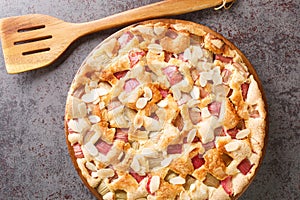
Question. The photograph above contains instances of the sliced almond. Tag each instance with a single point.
(148, 152)
(91, 149)
(232, 146)
(187, 54)
(242, 134)
(102, 91)
(191, 135)
(90, 97)
(147, 93)
(163, 103)
(205, 112)
(141, 102)
(94, 174)
(94, 119)
(135, 165)
(177, 180)
(166, 162)
(155, 47)
(154, 184)
(151, 124)
(106, 173)
(195, 93)
(91, 166)
(217, 43)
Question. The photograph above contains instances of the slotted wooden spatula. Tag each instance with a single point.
(33, 41)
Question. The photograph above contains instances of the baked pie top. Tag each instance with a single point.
(166, 109)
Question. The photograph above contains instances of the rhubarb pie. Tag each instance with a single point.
(166, 109)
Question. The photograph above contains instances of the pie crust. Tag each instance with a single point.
(166, 109)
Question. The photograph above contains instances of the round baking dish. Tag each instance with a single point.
(225, 89)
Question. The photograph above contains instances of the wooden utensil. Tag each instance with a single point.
(34, 41)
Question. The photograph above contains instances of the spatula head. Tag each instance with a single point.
(33, 41)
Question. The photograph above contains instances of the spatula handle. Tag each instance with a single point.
(155, 10)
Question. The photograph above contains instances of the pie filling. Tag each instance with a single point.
(165, 111)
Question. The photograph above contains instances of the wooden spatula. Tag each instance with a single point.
(33, 41)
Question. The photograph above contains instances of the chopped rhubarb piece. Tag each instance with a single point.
(225, 75)
(181, 57)
(168, 56)
(125, 38)
(137, 177)
(148, 185)
(178, 122)
(164, 93)
(131, 84)
(195, 116)
(197, 162)
(121, 134)
(211, 181)
(173, 75)
(78, 151)
(103, 147)
(195, 140)
(120, 74)
(171, 34)
(214, 108)
(224, 59)
(245, 166)
(209, 145)
(203, 93)
(245, 87)
(174, 149)
(135, 56)
(154, 116)
(227, 185)
(232, 132)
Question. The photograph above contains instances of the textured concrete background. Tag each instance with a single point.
(34, 161)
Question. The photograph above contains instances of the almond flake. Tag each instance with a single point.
(90, 97)
(217, 43)
(195, 93)
(242, 134)
(177, 180)
(141, 103)
(135, 165)
(91, 166)
(187, 54)
(94, 119)
(155, 47)
(163, 103)
(166, 162)
(148, 93)
(151, 124)
(232, 146)
(91, 149)
(94, 174)
(148, 152)
(205, 112)
(191, 135)
(106, 173)
(154, 184)
(102, 91)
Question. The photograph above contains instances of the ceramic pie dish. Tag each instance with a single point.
(166, 109)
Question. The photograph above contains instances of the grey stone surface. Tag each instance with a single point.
(34, 161)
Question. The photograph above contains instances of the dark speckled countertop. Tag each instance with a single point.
(34, 161)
